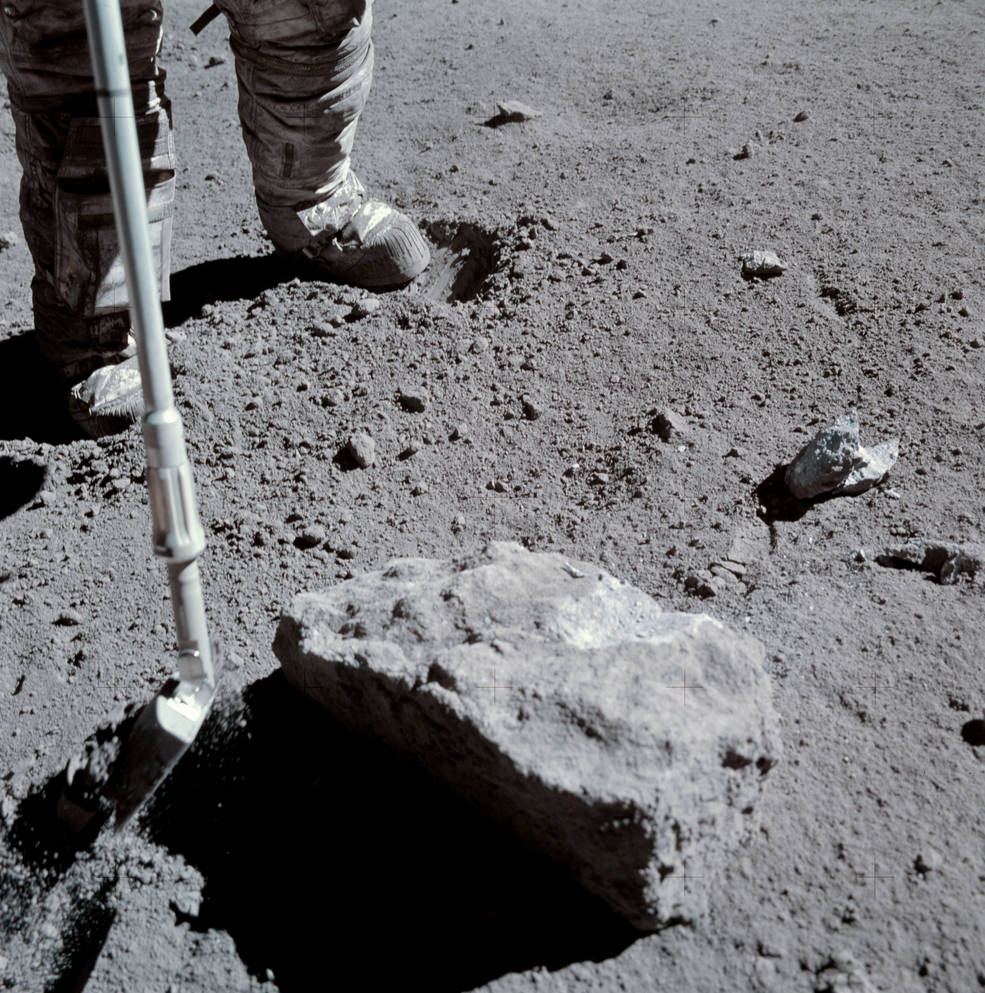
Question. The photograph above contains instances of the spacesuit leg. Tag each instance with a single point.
(79, 293)
(304, 69)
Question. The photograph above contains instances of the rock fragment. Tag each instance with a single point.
(414, 401)
(552, 695)
(947, 561)
(513, 111)
(363, 308)
(762, 264)
(669, 425)
(835, 462)
(877, 461)
(362, 449)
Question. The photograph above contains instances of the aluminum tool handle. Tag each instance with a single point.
(177, 536)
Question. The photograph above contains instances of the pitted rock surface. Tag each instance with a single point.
(628, 743)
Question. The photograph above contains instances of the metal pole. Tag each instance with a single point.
(177, 534)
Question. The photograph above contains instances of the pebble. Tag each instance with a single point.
(513, 111)
(459, 432)
(311, 536)
(362, 448)
(668, 424)
(531, 409)
(69, 618)
(363, 308)
(746, 152)
(702, 583)
(497, 485)
(801, 116)
(927, 861)
(9, 239)
(415, 401)
(762, 263)
(479, 345)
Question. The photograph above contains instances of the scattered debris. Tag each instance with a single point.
(946, 561)
(762, 264)
(834, 462)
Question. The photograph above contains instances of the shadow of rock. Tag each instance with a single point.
(332, 862)
(776, 503)
(32, 399)
(20, 482)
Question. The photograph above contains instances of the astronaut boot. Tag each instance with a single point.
(304, 69)
(108, 400)
(363, 242)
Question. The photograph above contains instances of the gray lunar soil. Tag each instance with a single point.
(596, 365)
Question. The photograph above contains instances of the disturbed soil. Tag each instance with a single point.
(585, 277)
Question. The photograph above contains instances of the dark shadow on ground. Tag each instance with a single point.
(336, 865)
(776, 503)
(20, 482)
(238, 278)
(32, 399)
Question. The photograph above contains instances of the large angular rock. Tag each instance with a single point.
(629, 743)
(835, 462)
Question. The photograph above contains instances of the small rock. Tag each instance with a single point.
(762, 264)
(363, 308)
(702, 583)
(187, 902)
(362, 448)
(459, 432)
(746, 152)
(512, 111)
(720, 572)
(311, 537)
(215, 60)
(531, 409)
(69, 618)
(479, 345)
(9, 239)
(801, 116)
(669, 425)
(414, 401)
(928, 860)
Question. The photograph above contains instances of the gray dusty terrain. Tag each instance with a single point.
(587, 275)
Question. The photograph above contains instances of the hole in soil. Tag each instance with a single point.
(320, 848)
(973, 733)
(463, 257)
